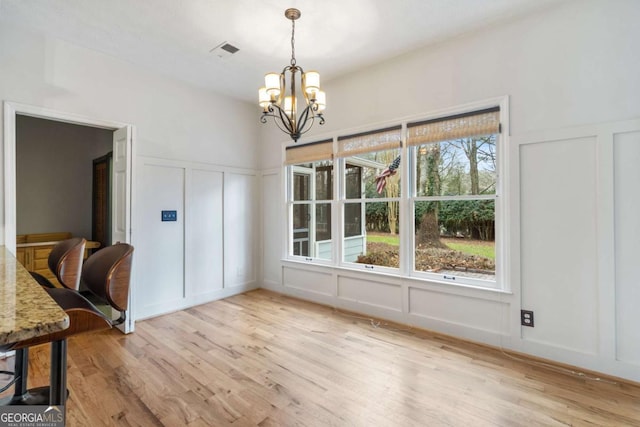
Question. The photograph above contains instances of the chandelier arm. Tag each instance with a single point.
(284, 120)
(303, 82)
(278, 121)
(279, 124)
(294, 101)
(304, 118)
(283, 82)
(313, 118)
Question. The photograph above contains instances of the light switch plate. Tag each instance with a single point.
(169, 215)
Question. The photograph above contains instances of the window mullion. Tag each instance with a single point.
(312, 213)
(339, 192)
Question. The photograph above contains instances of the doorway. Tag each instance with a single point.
(122, 147)
(54, 192)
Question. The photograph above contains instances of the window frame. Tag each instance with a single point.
(343, 201)
(406, 204)
(297, 170)
(414, 198)
(293, 167)
(343, 159)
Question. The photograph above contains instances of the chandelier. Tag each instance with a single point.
(283, 106)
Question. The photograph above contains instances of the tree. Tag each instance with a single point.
(479, 150)
(392, 189)
(474, 218)
(470, 148)
(429, 231)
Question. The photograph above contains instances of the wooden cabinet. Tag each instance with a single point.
(35, 258)
(21, 256)
(32, 251)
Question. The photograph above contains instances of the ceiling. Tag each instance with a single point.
(175, 37)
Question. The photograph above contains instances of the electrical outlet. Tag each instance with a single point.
(526, 318)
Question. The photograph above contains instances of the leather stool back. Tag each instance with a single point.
(65, 262)
(107, 275)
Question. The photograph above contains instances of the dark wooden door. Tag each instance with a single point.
(101, 217)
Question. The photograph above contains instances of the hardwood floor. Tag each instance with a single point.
(262, 359)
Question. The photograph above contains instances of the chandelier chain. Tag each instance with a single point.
(293, 43)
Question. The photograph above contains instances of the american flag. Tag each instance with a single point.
(381, 180)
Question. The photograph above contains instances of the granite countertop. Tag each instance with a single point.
(26, 310)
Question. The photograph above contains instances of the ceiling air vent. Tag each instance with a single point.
(224, 50)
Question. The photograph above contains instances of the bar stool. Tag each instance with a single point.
(107, 273)
(65, 262)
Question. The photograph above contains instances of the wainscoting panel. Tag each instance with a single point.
(161, 254)
(204, 260)
(442, 309)
(378, 294)
(240, 243)
(559, 242)
(308, 281)
(627, 245)
(271, 229)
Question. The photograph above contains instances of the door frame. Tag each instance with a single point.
(11, 110)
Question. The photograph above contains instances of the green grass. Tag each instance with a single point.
(483, 250)
(389, 239)
(467, 247)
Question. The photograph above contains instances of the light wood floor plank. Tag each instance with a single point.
(263, 359)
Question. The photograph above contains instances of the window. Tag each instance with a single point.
(427, 209)
(370, 206)
(454, 195)
(309, 200)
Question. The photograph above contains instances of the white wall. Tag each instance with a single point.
(210, 251)
(174, 122)
(54, 170)
(173, 119)
(571, 74)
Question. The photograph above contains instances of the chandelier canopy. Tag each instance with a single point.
(279, 99)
